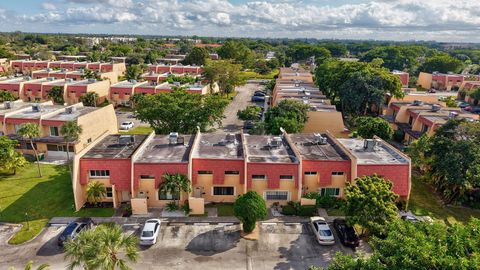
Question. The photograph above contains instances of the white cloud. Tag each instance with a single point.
(380, 19)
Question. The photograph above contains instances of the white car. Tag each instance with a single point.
(150, 232)
(322, 231)
(126, 125)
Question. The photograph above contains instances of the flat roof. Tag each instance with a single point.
(160, 150)
(382, 153)
(84, 82)
(124, 84)
(219, 146)
(30, 114)
(77, 112)
(15, 105)
(110, 147)
(310, 149)
(259, 150)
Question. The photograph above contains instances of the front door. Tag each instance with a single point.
(125, 196)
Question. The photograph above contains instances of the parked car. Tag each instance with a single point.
(150, 232)
(346, 234)
(248, 124)
(463, 104)
(258, 99)
(259, 94)
(475, 110)
(410, 218)
(322, 231)
(432, 91)
(126, 125)
(468, 108)
(73, 229)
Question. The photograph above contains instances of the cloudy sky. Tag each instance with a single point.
(442, 20)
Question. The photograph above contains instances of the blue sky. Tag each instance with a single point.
(442, 20)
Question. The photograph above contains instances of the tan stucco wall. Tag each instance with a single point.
(311, 183)
(260, 186)
(206, 181)
(95, 124)
(322, 121)
(424, 80)
(304, 201)
(197, 205)
(139, 206)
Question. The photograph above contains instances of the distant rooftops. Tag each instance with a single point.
(167, 149)
(370, 152)
(219, 146)
(36, 111)
(271, 149)
(116, 146)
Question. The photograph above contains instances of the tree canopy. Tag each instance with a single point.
(249, 113)
(6, 96)
(197, 56)
(442, 63)
(225, 73)
(10, 159)
(288, 114)
(370, 203)
(180, 111)
(248, 208)
(56, 94)
(368, 127)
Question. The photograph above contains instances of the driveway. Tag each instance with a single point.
(201, 246)
(128, 116)
(243, 98)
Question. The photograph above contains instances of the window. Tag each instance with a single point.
(99, 173)
(232, 172)
(29, 146)
(410, 120)
(258, 177)
(205, 172)
(424, 128)
(109, 193)
(223, 191)
(162, 195)
(89, 140)
(337, 173)
(147, 176)
(286, 177)
(332, 192)
(310, 173)
(276, 195)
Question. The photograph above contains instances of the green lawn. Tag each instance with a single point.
(423, 201)
(138, 130)
(335, 212)
(26, 196)
(224, 209)
(252, 75)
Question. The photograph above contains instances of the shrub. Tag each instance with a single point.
(186, 208)
(248, 208)
(288, 210)
(171, 206)
(307, 210)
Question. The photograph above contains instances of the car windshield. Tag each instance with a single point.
(147, 233)
(70, 228)
(325, 232)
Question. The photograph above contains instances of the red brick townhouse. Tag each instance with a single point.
(223, 166)
(175, 69)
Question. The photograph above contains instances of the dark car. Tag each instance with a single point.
(258, 99)
(249, 124)
(475, 110)
(410, 218)
(259, 94)
(73, 229)
(432, 91)
(346, 234)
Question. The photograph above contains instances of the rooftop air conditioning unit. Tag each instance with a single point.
(27, 78)
(92, 80)
(369, 145)
(50, 79)
(133, 81)
(126, 139)
(436, 107)
(230, 138)
(36, 107)
(452, 115)
(70, 110)
(319, 139)
(68, 80)
(417, 103)
(173, 138)
(176, 83)
(8, 105)
(275, 142)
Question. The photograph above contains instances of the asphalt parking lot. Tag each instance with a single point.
(199, 246)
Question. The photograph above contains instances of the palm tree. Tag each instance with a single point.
(90, 99)
(70, 132)
(105, 247)
(30, 131)
(95, 192)
(175, 183)
(56, 94)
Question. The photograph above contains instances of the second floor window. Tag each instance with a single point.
(232, 172)
(205, 172)
(286, 177)
(99, 173)
(54, 131)
(337, 173)
(258, 177)
(424, 128)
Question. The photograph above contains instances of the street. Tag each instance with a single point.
(243, 98)
(199, 246)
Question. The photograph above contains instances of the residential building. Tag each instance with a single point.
(403, 76)
(28, 66)
(175, 69)
(121, 92)
(223, 166)
(297, 84)
(95, 122)
(440, 81)
(15, 85)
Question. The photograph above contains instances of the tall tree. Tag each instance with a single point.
(249, 208)
(95, 191)
(70, 131)
(56, 94)
(368, 127)
(418, 152)
(105, 247)
(174, 184)
(10, 160)
(370, 203)
(288, 114)
(197, 56)
(179, 111)
(31, 131)
(225, 73)
(442, 63)
(6, 96)
(134, 72)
